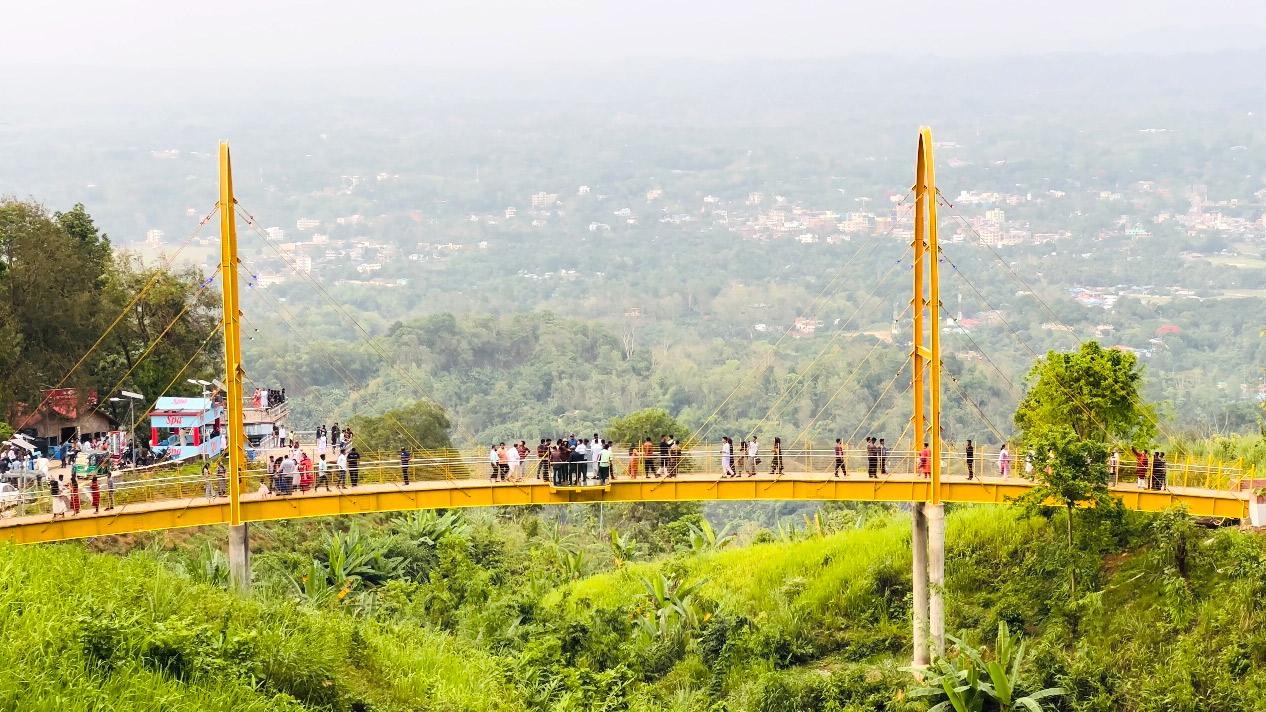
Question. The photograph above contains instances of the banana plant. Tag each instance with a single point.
(623, 548)
(673, 607)
(971, 681)
(704, 538)
(427, 527)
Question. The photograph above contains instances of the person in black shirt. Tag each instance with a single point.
(970, 452)
(353, 465)
(872, 458)
(405, 457)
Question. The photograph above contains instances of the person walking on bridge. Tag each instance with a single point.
(1141, 471)
(558, 460)
(727, 457)
(1158, 471)
(74, 493)
(405, 457)
(883, 457)
(970, 453)
(206, 480)
(775, 461)
(221, 480)
(753, 450)
(925, 461)
(511, 469)
(840, 468)
(635, 461)
(1004, 461)
(323, 474)
(341, 466)
(872, 458)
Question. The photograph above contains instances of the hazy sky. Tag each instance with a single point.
(509, 33)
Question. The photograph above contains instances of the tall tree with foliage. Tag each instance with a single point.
(50, 304)
(61, 287)
(647, 423)
(1075, 405)
(1093, 391)
(424, 423)
(174, 321)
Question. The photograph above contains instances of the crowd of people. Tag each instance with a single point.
(336, 461)
(572, 461)
(564, 461)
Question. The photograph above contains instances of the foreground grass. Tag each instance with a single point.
(95, 632)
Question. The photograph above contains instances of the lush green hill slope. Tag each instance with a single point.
(519, 610)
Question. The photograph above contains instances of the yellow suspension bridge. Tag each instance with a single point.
(453, 479)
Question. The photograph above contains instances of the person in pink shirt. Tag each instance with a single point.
(1004, 461)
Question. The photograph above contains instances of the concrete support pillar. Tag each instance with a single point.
(935, 514)
(919, 549)
(240, 558)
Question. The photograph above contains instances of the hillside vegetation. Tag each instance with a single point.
(520, 610)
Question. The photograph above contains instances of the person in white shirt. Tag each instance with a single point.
(512, 458)
(752, 450)
(494, 463)
(342, 469)
(323, 474)
(727, 467)
(282, 434)
(582, 449)
(321, 445)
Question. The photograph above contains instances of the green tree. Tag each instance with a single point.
(169, 334)
(1071, 470)
(647, 423)
(1094, 391)
(50, 306)
(423, 423)
(1075, 405)
(94, 244)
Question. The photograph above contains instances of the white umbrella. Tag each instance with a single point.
(21, 443)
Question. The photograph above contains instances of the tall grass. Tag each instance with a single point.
(84, 631)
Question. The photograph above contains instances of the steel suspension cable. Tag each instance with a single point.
(153, 280)
(821, 299)
(287, 319)
(781, 402)
(155, 341)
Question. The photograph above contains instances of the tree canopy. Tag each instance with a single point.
(1076, 405)
(62, 288)
(1093, 391)
(423, 423)
(647, 423)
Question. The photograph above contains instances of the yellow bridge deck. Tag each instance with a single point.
(444, 494)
